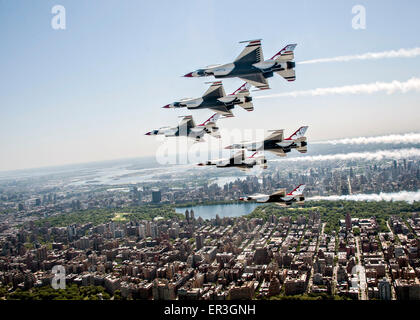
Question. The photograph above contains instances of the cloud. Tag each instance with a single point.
(401, 53)
(377, 155)
(395, 86)
(408, 138)
(408, 196)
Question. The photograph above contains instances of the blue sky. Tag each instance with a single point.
(90, 92)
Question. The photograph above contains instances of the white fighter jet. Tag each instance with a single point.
(276, 144)
(280, 197)
(251, 67)
(238, 160)
(188, 128)
(216, 99)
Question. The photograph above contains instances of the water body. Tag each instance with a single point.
(223, 210)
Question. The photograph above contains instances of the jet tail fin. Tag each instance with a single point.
(243, 89)
(299, 133)
(285, 54)
(210, 125)
(297, 191)
(243, 93)
(212, 120)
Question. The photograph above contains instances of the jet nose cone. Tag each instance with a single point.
(148, 134)
(167, 106)
(189, 75)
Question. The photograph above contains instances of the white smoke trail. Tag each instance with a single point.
(408, 196)
(395, 86)
(401, 53)
(377, 155)
(407, 138)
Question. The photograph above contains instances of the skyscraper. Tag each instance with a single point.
(156, 196)
(199, 239)
(348, 221)
(142, 231)
(384, 289)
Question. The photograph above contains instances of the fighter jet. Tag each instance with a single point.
(238, 160)
(280, 197)
(251, 66)
(188, 128)
(216, 99)
(276, 144)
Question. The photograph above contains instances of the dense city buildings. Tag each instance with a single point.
(128, 240)
(232, 258)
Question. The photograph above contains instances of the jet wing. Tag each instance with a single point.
(278, 152)
(280, 193)
(257, 80)
(260, 198)
(276, 135)
(250, 146)
(223, 111)
(238, 157)
(187, 121)
(214, 162)
(283, 204)
(170, 132)
(278, 196)
(251, 54)
(215, 91)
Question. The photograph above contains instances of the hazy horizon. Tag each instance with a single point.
(328, 143)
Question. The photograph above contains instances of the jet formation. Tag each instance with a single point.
(251, 67)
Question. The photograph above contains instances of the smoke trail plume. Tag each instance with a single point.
(408, 138)
(401, 53)
(408, 196)
(377, 155)
(395, 86)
